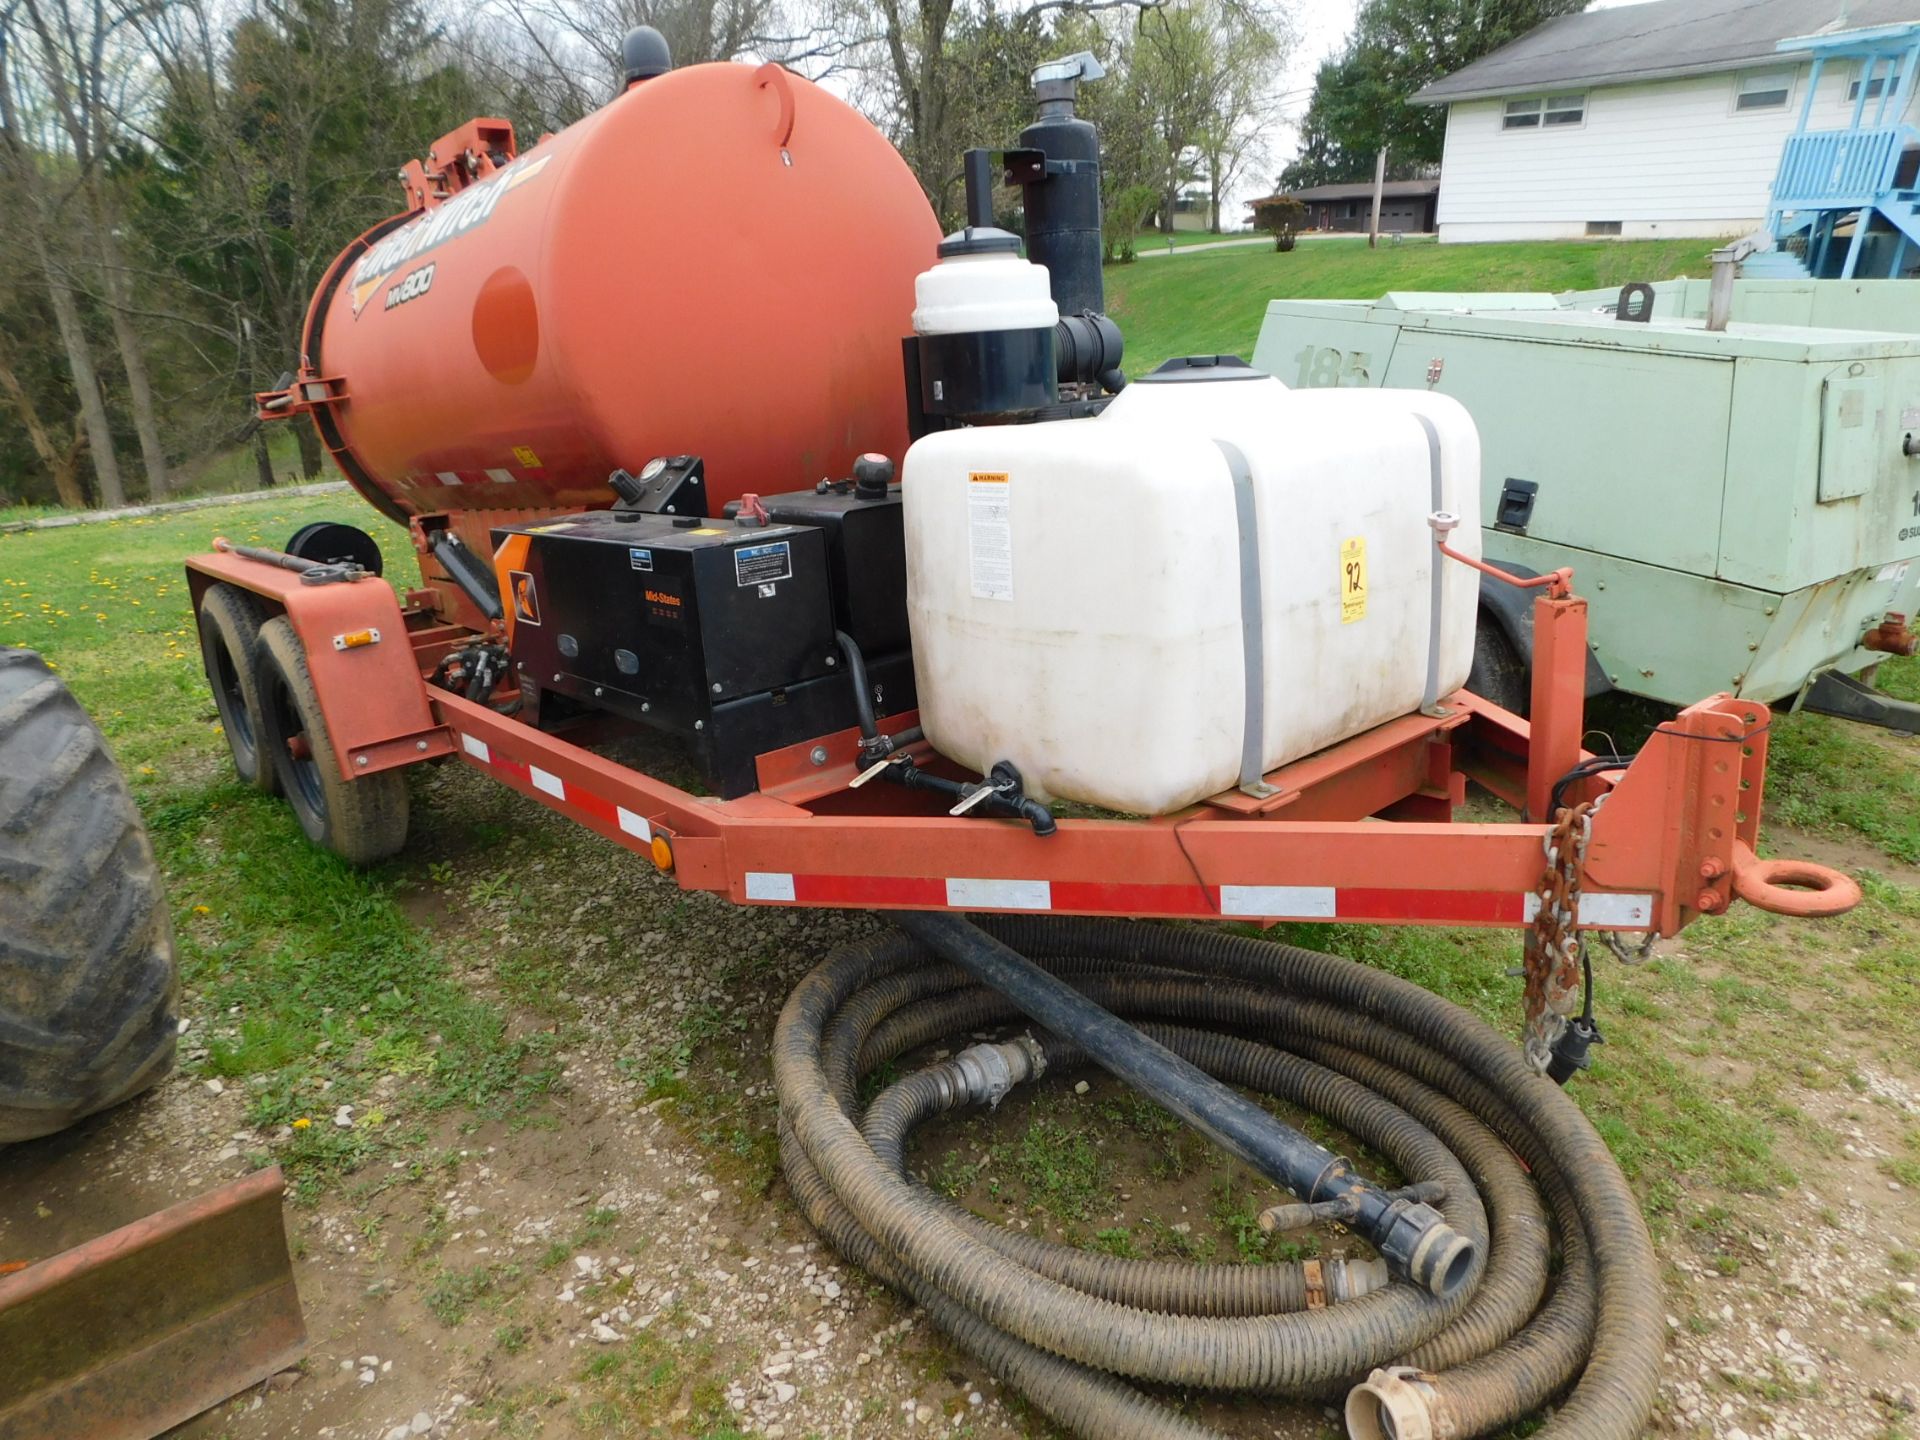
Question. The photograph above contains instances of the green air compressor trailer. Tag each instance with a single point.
(1741, 504)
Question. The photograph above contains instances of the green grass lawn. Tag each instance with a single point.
(1213, 303)
(308, 983)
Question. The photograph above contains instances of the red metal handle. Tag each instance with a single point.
(1792, 887)
(1559, 583)
(782, 83)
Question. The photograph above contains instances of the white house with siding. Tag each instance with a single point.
(1651, 120)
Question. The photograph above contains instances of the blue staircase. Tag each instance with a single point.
(1842, 205)
(1774, 265)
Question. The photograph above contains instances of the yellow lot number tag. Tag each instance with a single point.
(1353, 580)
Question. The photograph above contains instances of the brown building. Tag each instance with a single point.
(1407, 206)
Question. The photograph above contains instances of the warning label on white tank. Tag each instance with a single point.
(990, 535)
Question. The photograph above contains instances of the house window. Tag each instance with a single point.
(1566, 109)
(1878, 85)
(1603, 227)
(1544, 110)
(1522, 114)
(1765, 90)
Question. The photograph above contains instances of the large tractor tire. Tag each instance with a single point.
(361, 820)
(88, 988)
(1500, 672)
(229, 634)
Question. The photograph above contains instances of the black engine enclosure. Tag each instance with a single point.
(719, 632)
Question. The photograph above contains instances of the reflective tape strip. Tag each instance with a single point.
(576, 797)
(1279, 902)
(1605, 910)
(500, 477)
(769, 885)
(999, 895)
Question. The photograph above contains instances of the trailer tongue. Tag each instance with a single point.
(1192, 651)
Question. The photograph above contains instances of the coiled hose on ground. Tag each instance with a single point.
(1413, 1076)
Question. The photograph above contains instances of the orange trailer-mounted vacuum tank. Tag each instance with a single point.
(720, 260)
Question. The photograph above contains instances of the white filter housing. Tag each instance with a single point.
(996, 290)
(1076, 587)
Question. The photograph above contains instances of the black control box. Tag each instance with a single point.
(866, 557)
(718, 631)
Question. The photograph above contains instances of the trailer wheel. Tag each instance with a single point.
(1500, 673)
(229, 634)
(360, 820)
(88, 988)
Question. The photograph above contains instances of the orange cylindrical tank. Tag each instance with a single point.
(719, 262)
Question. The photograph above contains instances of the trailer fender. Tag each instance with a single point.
(372, 695)
(1511, 609)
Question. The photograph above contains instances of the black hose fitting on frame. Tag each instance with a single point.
(1006, 797)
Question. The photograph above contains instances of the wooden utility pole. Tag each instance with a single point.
(1379, 184)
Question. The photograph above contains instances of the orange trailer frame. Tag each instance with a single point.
(1362, 831)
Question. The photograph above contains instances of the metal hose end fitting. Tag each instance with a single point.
(1394, 1403)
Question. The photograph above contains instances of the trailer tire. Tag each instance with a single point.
(1500, 673)
(229, 636)
(88, 989)
(361, 820)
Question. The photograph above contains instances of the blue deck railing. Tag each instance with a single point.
(1820, 169)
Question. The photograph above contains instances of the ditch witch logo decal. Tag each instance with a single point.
(450, 218)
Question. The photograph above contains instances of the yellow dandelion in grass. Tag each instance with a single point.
(203, 909)
(302, 1123)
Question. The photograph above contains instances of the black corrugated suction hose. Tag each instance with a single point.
(1413, 1076)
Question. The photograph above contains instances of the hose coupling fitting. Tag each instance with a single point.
(985, 1073)
(1416, 1241)
(1343, 1209)
(1396, 1402)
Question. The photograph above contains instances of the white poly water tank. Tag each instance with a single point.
(1078, 589)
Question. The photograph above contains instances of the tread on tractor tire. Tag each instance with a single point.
(1500, 673)
(229, 622)
(89, 992)
(360, 820)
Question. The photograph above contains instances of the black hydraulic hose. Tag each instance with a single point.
(1434, 1090)
(857, 674)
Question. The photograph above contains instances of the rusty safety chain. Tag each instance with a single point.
(1551, 955)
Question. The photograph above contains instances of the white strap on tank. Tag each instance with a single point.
(1253, 647)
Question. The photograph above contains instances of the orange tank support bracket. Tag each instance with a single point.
(372, 695)
(301, 397)
(458, 159)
